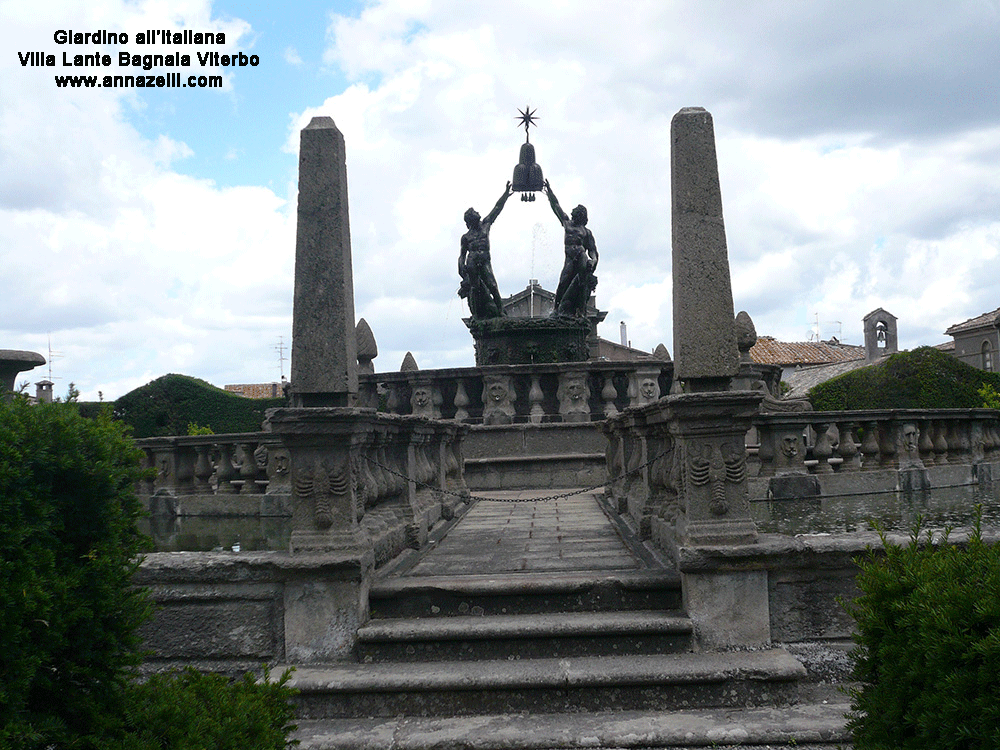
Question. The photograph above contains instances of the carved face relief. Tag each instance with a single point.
(911, 437)
(789, 445)
(648, 389)
(497, 393)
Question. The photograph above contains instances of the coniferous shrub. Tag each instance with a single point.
(68, 547)
(925, 378)
(189, 710)
(167, 405)
(928, 647)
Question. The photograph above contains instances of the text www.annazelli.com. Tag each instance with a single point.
(170, 80)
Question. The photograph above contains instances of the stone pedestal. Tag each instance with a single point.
(321, 443)
(709, 432)
(527, 341)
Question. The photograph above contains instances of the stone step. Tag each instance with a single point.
(462, 688)
(524, 636)
(582, 591)
(807, 726)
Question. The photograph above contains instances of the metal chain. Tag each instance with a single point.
(560, 496)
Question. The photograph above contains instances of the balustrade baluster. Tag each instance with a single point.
(958, 441)
(608, 394)
(887, 434)
(225, 471)
(766, 450)
(203, 469)
(248, 469)
(847, 449)
(535, 395)
(870, 447)
(823, 448)
(940, 442)
(461, 402)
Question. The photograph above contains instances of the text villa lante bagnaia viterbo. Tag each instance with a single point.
(131, 60)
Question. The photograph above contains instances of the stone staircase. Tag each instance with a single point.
(459, 646)
(451, 653)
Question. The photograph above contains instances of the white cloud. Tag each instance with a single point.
(858, 155)
(135, 270)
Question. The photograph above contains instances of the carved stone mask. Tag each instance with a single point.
(911, 437)
(648, 388)
(790, 445)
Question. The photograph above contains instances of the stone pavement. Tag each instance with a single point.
(564, 535)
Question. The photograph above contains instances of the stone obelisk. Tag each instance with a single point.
(706, 357)
(324, 349)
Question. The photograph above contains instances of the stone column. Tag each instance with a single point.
(324, 348)
(705, 352)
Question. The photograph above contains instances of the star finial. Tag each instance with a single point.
(527, 119)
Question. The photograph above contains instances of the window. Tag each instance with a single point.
(987, 356)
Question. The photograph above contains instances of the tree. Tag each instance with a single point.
(69, 545)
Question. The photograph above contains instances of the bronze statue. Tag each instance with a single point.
(577, 280)
(479, 285)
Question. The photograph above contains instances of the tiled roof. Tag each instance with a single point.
(989, 319)
(805, 378)
(768, 351)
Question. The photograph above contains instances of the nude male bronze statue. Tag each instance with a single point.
(577, 280)
(479, 285)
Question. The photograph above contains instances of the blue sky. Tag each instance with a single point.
(153, 231)
(254, 116)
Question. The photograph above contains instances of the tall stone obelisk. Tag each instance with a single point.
(706, 357)
(324, 349)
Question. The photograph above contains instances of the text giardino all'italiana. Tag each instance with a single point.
(147, 61)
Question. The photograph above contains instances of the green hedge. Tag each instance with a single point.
(189, 710)
(928, 653)
(925, 378)
(69, 615)
(167, 405)
(68, 548)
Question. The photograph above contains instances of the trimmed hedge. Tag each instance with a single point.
(68, 548)
(167, 405)
(928, 653)
(925, 378)
(188, 710)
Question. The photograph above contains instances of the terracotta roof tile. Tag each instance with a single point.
(768, 351)
(986, 319)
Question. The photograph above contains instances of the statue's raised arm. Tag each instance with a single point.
(492, 215)
(554, 202)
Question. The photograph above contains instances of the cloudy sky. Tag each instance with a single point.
(152, 231)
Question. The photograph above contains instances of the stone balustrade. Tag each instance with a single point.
(823, 443)
(794, 456)
(388, 479)
(520, 394)
(248, 463)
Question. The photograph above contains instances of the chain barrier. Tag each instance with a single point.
(560, 496)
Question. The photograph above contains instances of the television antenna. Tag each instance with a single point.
(280, 348)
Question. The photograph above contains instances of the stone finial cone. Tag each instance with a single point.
(409, 364)
(746, 335)
(367, 348)
(660, 352)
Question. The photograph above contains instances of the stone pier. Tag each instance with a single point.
(324, 346)
(705, 353)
